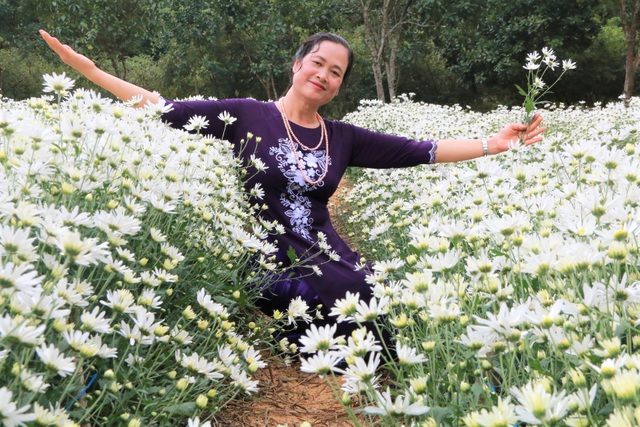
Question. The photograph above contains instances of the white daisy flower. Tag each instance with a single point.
(55, 360)
(402, 405)
(10, 414)
(57, 83)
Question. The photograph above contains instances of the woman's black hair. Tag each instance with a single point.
(312, 44)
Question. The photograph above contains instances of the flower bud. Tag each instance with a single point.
(203, 324)
(202, 401)
(188, 313)
(428, 345)
(182, 384)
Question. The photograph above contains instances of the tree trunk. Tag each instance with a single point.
(376, 42)
(377, 76)
(630, 70)
(629, 17)
(392, 78)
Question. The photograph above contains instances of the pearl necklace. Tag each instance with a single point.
(292, 138)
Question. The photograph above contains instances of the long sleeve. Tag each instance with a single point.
(377, 150)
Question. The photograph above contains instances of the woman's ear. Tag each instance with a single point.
(296, 66)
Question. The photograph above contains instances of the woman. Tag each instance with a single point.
(306, 157)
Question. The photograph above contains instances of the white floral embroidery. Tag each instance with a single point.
(298, 205)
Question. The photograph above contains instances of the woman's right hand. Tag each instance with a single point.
(69, 56)
(122, 89)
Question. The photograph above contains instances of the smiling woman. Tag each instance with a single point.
(296, 159)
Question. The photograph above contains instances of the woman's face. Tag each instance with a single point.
(319, 75)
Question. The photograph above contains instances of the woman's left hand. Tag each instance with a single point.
(515, 133)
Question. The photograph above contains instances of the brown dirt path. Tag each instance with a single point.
(287, 396)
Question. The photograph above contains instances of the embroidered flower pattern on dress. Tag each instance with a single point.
(298, 205)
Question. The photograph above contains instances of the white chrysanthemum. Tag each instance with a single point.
(55, 360)
(502, 414)
(17, 330)
(32, 382)
(195, 422)
(120, 300)
(118, 222)
(226, 118)
(361, 374)
(319, 339)
(346, 308)
(359, 343)
(17, 243)
(401, 406)
(57, 83)
(241, 379)
(320, 364)
(96, 321)
(41, 306)
(298, 309)
(135, 335)
(200, 365)
(51, 416)
(408, 355)
(536, 404)
(20, 277)
(10, 414)
(148, 298)
(80, 250)
(371, 311)
(213, 308)
(197, 123)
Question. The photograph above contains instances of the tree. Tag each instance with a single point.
(628, 10)
(384, 23)
(486, 44)
(239, 47)
(116, 29)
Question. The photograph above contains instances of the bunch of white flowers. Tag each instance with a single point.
(509, 285)
(121, 270)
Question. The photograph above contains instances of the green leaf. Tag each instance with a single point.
(529, 106)
(440, 413)
(291, 253)
(521, 91)
(187, 408)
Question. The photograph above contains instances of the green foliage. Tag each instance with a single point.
(455, 51)
(21, 72)
(116, 28)
(486, 43)
(602, 66)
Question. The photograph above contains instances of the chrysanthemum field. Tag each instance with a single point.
(129, 250)
(511, 282)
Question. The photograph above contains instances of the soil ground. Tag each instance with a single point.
(287, 396)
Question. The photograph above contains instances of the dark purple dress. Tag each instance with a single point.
(300, 207)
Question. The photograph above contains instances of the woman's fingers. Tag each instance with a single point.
(67, 54)
(537, 119)
(55, 45)
(534, 136)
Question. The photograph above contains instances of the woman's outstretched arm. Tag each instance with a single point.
(454, 150)
(123, 90)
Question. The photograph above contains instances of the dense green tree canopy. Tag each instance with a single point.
(444, 51)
